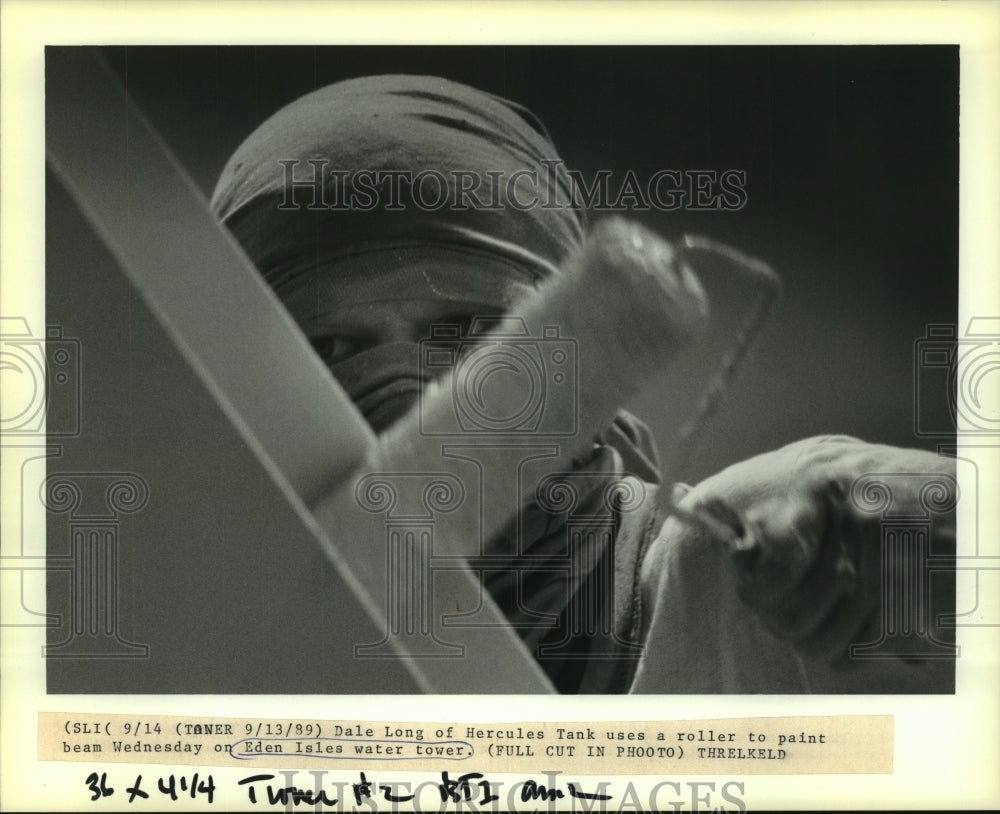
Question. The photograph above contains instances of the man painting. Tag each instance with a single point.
(431, 202)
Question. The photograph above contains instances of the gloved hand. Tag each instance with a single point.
(772, 577)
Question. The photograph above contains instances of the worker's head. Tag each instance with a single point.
(380, 206)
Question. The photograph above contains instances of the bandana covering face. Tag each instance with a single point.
(321, 258)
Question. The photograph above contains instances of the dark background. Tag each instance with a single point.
(851, 156)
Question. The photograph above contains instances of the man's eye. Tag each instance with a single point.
(334, 348)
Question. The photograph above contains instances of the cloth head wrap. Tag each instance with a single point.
(424, 189)
(451, 185)
(503, 218)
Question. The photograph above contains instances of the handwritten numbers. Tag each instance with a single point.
(170, 785)
(99, 788)
(167, 786)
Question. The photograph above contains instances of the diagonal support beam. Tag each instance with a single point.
(228, 326)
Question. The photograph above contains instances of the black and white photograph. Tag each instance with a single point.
(383, 411)
(631, 338)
